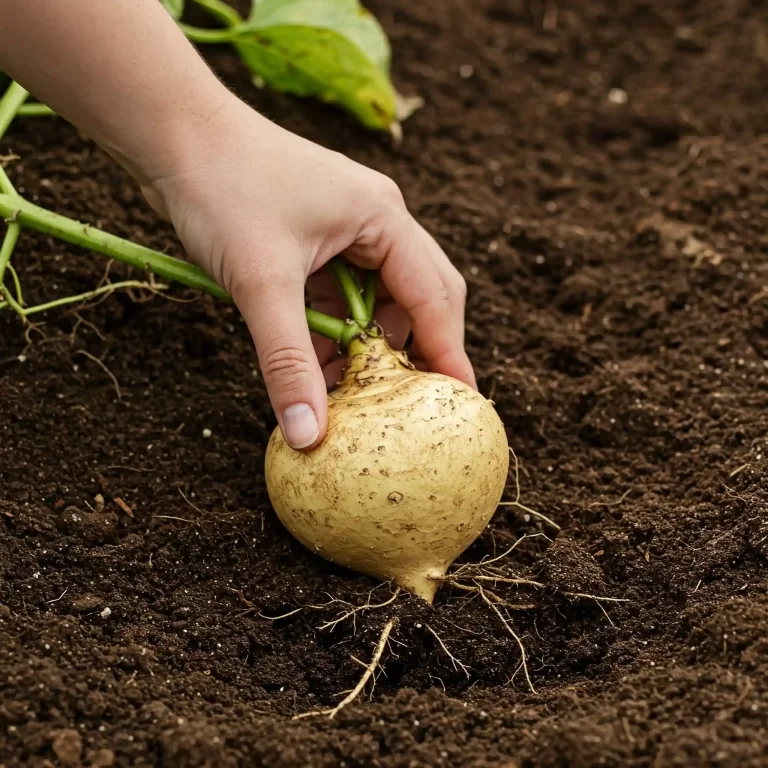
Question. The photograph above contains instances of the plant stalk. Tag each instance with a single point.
(16, 284)
(201, 35)
(339, 331)
(35, 110)
(21, 213)
(370, 292)
(6, 186)
(12, 99)
(11, 302)
(6, 249)
(10, 103)
(32, 216)
(349, 287)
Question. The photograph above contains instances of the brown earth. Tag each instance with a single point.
(618, 316)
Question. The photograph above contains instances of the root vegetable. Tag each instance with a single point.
(411, 470)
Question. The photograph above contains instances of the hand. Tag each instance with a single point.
(262, 210)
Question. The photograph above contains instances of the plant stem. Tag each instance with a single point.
(12, 99)
(20, 212)
(6, 249)
(35, 110)
(221, 12)
(16, 284)
(200, 35)
(370, 292)
(6, 187)
(331, 327)
(348, 286)
(29, 215)
(11, 302)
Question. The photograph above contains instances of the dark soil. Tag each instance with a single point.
(618, 316)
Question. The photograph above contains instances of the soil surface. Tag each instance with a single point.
(598, 170)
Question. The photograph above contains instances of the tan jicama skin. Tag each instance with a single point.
(411, 471)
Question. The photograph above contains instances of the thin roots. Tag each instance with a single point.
(518, 504)
(492, 573)
(467, 566)
(596, 598)
(367, 674)
(351, 613)
(456, 663)
(480, 572)
(104, 368)
(493, 601)
(508, 580)
(486, 571)
(332, 624)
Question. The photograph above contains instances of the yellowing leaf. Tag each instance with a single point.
(334, 50)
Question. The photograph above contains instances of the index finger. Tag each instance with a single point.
(395, 245)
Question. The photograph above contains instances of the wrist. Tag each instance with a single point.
(176, 137)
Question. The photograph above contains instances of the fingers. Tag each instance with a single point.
(274, 312)
(457, 292)
(422, 281)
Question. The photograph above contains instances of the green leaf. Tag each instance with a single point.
(334, 50)
(345, 17)
(174, 7)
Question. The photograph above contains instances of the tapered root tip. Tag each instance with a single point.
(423, 585)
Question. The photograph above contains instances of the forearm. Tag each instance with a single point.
(120, 70)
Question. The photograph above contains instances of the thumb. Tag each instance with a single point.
(275, 314)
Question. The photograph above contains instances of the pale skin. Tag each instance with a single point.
(257, 207)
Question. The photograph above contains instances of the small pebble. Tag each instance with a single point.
(617, 96)
(207, 433)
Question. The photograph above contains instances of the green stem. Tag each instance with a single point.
(370, 292)
(20, 212)
(29, 215)
(12, 99)
(11, 302)
(221, 12)
(349, 287)
(35, 110)
(331, 327)
(200, 35)
(6, 186)
(16, 284)
(6, 249)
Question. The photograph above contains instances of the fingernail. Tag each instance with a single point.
(299, 425)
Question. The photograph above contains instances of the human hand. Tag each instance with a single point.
(262, 210)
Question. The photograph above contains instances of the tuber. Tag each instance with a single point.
(410, 472)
